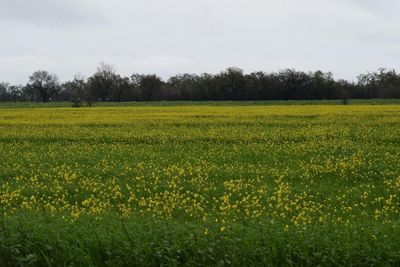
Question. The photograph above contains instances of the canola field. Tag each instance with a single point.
(298, 185)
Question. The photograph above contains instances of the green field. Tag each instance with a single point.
(214, 184)
(61, 104)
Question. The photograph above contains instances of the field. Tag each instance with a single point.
(200, 185)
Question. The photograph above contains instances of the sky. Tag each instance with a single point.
(166, 37)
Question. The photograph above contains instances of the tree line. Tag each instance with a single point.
(231, 84)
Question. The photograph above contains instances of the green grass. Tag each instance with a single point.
(202, 103)
(200, 184)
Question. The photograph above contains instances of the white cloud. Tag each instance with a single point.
(174, 36)
(48, 12)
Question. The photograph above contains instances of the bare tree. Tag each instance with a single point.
(75, 88)
(44, 84)
(102, 83)
(121, 88)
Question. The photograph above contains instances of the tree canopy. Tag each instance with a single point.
(231, 84)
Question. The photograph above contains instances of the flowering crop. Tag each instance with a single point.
(233, 173)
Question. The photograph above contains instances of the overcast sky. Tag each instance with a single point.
(166, 37)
